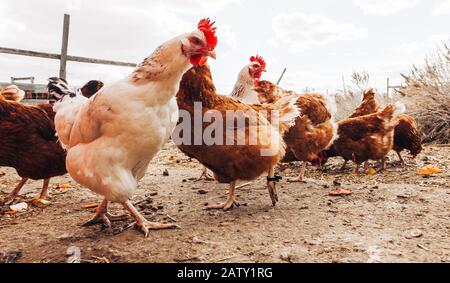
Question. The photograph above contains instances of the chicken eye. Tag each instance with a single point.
(196, 41)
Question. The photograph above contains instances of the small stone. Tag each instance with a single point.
(202, 192)
(160, 207)
(153, 194)
(196, 240)
(288, 257)
(166, 173)
(416, 233)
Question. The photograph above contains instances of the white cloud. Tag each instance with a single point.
(442, 8)
(385, 7)
(407, 48)
(228, 41)
(193, 7)
(301, 32)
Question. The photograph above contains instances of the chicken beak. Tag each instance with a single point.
(212, 54)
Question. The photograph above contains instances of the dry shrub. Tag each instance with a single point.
(427, 96)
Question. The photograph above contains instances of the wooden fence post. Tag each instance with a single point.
(64, 48)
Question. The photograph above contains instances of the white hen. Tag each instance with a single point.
(249, 75)
(112, 137)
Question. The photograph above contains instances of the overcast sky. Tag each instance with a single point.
(318, 41)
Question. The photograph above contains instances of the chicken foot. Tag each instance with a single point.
(231, 201)
(143, 224)
(300, 178)
(44, 193)
(205, 175)
(102, 216)
(15, 192)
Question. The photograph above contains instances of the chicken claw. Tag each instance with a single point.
(143, 224)
(229, 204)
(146, 226)
(103, 217)
(8, 200)
(206, 175)
(12, 196)
(106, 219)
(231, 201)
(300, 178)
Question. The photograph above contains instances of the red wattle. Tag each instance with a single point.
(195, 59)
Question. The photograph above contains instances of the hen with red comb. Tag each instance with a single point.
(146, 100)
(209, 30)
(260, 60)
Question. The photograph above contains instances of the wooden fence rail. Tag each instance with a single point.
(64, 57)
(21, 52)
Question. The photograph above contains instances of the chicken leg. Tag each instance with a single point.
(271, 185)
(383, 164)
(103, 217)
(231, 201)
(44, 194)
(300, 178)
(344, 166)
(366, 166)
(15, 192)
(206, 175)
(357, 169)
(401, 159)
(143, 224)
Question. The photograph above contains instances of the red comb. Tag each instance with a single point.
(208, 29)
(258, 59)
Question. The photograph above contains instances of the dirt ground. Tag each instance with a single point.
(394, 216)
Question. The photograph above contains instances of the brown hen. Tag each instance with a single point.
(407, 135)
(29, 144)
(239, 161)
(369, 137)
(314, 131)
